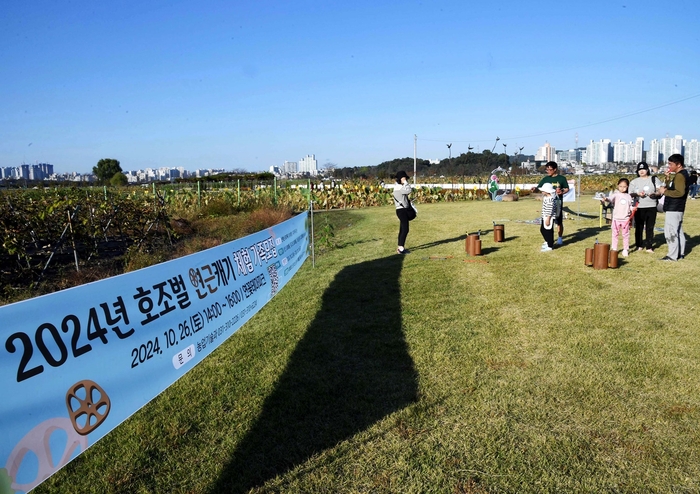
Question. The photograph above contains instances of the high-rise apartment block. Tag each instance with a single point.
(570, 156)
(309, 165)
(671, 145)
(638, 150)
(653, 153)
(659, 151)
(599, 152)
(628, 152)
(290, 167)
(39, 171)
(546, 153)
(692, 153)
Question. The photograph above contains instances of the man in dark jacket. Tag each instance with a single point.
(676, 194)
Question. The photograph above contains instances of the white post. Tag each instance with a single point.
(313, 245)
(579, 190)
(415, 140)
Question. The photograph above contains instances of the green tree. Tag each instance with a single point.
(118, 179)
(106, 169)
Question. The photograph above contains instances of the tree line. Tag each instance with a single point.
(466, 164)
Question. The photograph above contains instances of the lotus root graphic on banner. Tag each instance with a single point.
(77, 363)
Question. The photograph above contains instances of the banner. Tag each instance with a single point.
(77, 363)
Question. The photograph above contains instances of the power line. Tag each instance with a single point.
(583, 126)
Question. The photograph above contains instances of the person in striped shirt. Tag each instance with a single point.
(548, 212)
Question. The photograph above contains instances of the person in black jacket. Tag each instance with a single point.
(676, 194)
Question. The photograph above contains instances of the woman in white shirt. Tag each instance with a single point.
(402, 189)
(644, 190)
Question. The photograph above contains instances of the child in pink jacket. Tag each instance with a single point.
(621, 215)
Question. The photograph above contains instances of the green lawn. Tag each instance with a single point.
(518, 371)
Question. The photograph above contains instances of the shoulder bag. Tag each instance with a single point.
(411, 210)
(660, 200)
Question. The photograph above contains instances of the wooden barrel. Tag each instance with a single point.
(589, 257)
(613, 258)
(600, 256)
(476, 247)
(472, 238)
(499, 233)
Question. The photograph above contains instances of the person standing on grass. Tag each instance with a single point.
(548, 213)
(402, 190)
(644, 189)
(693, 184)
(622, 210)
(561, 187)
(675, 196)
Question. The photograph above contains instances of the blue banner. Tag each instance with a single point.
(77, 363)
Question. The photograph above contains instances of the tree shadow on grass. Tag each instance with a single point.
(690, 243)
(582, 214)
(350, 370)
(485, 251)
(509, 239)
(439, 242)
(586, 233)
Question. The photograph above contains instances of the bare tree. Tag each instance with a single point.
(329, 168)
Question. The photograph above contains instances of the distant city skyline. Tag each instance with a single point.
(594, 153)
(618, 151)
(605, 151)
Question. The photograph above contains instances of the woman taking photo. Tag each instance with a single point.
(402, 189)
(643, 189)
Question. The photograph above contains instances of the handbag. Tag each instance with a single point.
(660, 204)
(659, 197)
(411, 211)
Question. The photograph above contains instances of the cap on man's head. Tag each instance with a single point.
(642, 166)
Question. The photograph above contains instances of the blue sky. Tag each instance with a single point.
(221, 84)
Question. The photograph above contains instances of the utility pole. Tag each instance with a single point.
(415, 143)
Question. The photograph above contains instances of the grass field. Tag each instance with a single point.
(517, 371)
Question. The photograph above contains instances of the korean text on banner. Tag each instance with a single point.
(77, 363)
